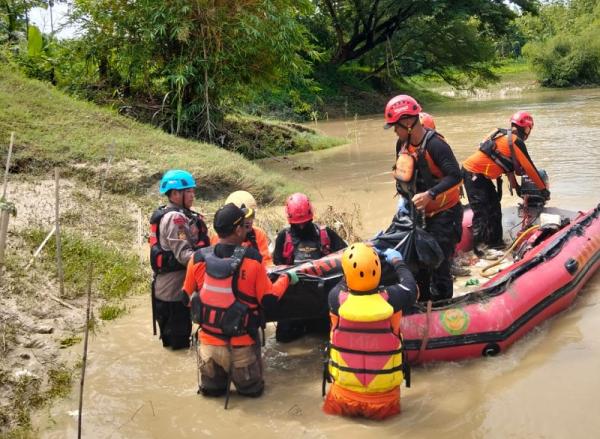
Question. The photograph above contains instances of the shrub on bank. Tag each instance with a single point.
(567, 60)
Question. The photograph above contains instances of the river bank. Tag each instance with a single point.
(109, 167)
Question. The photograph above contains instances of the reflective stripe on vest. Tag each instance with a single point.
(217, 292)
(365, 354)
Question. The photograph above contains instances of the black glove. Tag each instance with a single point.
(184, 298)
(546, 194)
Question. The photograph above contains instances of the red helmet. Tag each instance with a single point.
(398, 107)
(426, 120)
(298, 209)
(522, 119)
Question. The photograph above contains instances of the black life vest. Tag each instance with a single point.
(251, 237)
(490, 148)
(296, 250)
(164, 261)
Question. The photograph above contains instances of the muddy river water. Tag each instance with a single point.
(546, 386)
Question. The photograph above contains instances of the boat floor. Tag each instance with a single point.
(511, 224)
(466, 284)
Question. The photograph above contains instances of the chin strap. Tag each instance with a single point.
(408, 128)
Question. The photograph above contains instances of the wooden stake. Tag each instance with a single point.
(4, 216)
(110, 157)
(59, 266)
(85, 346)
(39, 249)
(140, 241)
(10, 149)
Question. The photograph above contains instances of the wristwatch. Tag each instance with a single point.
(432, 194)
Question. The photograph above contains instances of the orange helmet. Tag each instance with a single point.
(361, 267)
(298, 209)
(398, 107)
(426, 120)
(522, 119)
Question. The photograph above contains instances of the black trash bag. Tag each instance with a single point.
(419, 249)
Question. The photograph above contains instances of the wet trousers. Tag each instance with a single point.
(175, 324)
(487, 211)
(243, 362)
(446, 229)
(345, 402)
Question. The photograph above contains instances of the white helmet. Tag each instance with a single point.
(242, 197)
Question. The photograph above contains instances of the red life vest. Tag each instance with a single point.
(292, 254)
(164, 261)
(225, 311)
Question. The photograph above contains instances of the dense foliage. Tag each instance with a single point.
(198, 57)
(564, 42)
(185, 64)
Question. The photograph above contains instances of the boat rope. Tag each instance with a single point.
(516, 242)
(425, 338)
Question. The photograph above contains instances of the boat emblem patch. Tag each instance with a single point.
(455, 321)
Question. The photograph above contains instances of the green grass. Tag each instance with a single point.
(116, 273)
(509, 72)
(29, 394)
(111, 312)
(70, 341)
(275, 137)
(513, 66)
(53, 129)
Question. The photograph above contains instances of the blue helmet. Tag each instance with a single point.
(176, 179)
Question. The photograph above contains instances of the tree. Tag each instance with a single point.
(564, 42)
(14, 15)
(201, 55)
(362, 25)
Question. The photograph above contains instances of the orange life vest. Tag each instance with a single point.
(220, 308)
(499, 153)
(413, 163)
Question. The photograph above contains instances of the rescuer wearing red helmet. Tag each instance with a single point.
(427, 120)
(428, 177)
(302, 241)
(503, 151)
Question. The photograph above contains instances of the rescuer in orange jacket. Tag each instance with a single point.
(429, 178)
(503, 151)
(255, 236)
(365, 352)
(229, 287)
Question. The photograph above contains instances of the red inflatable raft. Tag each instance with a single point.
(489, 320)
